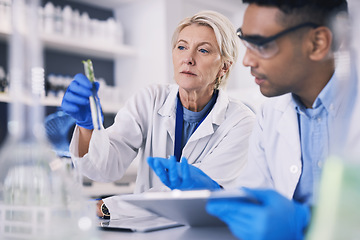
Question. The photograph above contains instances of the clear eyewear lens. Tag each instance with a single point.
(267, 50)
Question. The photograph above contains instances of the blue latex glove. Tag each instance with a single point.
(182, 175)
(273, 217)
(76, 100)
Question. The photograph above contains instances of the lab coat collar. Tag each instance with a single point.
(342, 91)
(287, 125)
(168, 110)
(207, 127)
(219, 109)
(215, 117)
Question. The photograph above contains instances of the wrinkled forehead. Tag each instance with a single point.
(261, 20)
(198, 33)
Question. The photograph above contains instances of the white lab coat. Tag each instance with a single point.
(275, 150)
(146, 125)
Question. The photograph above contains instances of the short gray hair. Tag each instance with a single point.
(225, 35)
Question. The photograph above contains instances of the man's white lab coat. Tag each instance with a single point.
(275, 149)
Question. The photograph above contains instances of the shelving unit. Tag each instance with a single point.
(110, 4)
(91, 48)
(56, 102)
(106, 50)
(73, 46)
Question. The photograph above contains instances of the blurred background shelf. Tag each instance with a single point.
(109, 4)
(91, 48)
(56, 102)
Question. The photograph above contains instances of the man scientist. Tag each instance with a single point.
(290, 51)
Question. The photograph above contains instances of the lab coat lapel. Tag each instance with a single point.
(290, 154)
(200, 138)
(288, 127)
(204, 130)
(168, 111)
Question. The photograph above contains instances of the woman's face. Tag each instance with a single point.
(196, 59)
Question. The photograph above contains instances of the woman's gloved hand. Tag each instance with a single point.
(76, 100)
(268, 215)
(182, 175)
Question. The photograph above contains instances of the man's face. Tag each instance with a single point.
(285, 71)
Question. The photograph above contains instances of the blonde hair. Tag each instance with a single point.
(225, 35)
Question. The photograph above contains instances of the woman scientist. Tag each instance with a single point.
(194, 119)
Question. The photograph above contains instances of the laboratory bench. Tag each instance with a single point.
(177, 233)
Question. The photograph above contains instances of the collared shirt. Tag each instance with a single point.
(314, 138)
(192, 119)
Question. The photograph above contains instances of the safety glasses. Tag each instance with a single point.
(266, 47)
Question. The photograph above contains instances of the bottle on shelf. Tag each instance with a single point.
(48, 21)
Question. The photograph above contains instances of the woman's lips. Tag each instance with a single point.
(188, 73)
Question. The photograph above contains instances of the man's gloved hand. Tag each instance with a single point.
(270, 216)
(182, 175)
(76, 100)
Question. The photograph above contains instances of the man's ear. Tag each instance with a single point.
(321, 39)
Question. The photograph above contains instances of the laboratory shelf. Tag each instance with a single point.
(56, 102)
(90, 48)
(47, 101)
(110, 4)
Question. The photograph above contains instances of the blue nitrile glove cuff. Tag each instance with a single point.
(302, 219)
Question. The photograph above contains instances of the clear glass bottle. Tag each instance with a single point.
(38, 197)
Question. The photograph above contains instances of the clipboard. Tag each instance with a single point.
(185, 207)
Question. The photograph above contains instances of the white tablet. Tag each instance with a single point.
(184, 207)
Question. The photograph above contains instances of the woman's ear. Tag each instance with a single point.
(321, 41)
(225, 68)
